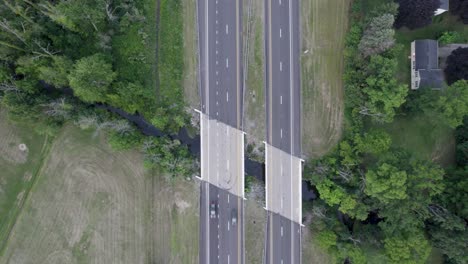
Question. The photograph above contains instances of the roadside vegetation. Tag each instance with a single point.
(67, 60)
(388, 193)
(107, 52)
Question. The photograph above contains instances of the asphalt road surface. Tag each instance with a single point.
(221, 90)
(283, 150)
(284, 240)
(220, 233)
(283, 105)
(219, 26)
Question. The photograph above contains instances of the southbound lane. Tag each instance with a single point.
(283, 150)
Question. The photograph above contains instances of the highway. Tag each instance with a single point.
(219, 24)
(222, 139)
(224, 233)
(283, 91)
(283, 136)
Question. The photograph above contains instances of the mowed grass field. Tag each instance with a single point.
(93, 205)
(18, 170)
(324, 27)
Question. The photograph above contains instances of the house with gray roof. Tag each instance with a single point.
(425, 71)
(444, 7)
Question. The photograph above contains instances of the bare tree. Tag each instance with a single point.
(5, 25)
(364, 110)
(354, 240)
(58, 108)
(121, 126)
(147, 144)
(345, 173)
(110, 11)
(8, 87)
(87, 121)
(43, 51)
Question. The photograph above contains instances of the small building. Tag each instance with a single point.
(444, 7)
(425, 71)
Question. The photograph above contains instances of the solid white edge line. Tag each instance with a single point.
(266, 175)
(291, 79)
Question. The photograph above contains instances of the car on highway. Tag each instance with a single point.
(213, 209)
(234, 216)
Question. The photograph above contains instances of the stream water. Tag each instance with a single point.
(252, 168)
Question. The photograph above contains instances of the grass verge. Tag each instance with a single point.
(171, 52)
(191, 94)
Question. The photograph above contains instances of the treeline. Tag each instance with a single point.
(60, 58)
(378, 202)
(105, 50)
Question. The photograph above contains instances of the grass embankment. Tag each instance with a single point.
(190, 52)
(148, 50)
(324, 27)
(18, 170)
(93, 205)
(171, 51)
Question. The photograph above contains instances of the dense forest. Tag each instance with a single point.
(380, 202)
(61, 59)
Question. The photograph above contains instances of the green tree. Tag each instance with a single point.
(91, 77)
(453, 103)
(131, 97)
(57, 73)
(449, 37)
(373, 142)
(410, 248)
(387, 183)
(84, 16)
(378, 35)
(452, 243)
(384, 92)
(331, 193)
(327, 239)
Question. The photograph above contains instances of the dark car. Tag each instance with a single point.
(213, 210)
(234, 216)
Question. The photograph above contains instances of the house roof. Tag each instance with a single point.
(426, 53)
(444, 4)
(431, 78)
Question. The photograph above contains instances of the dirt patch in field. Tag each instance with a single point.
(324, 26)
(94, 205)
(10, 143)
